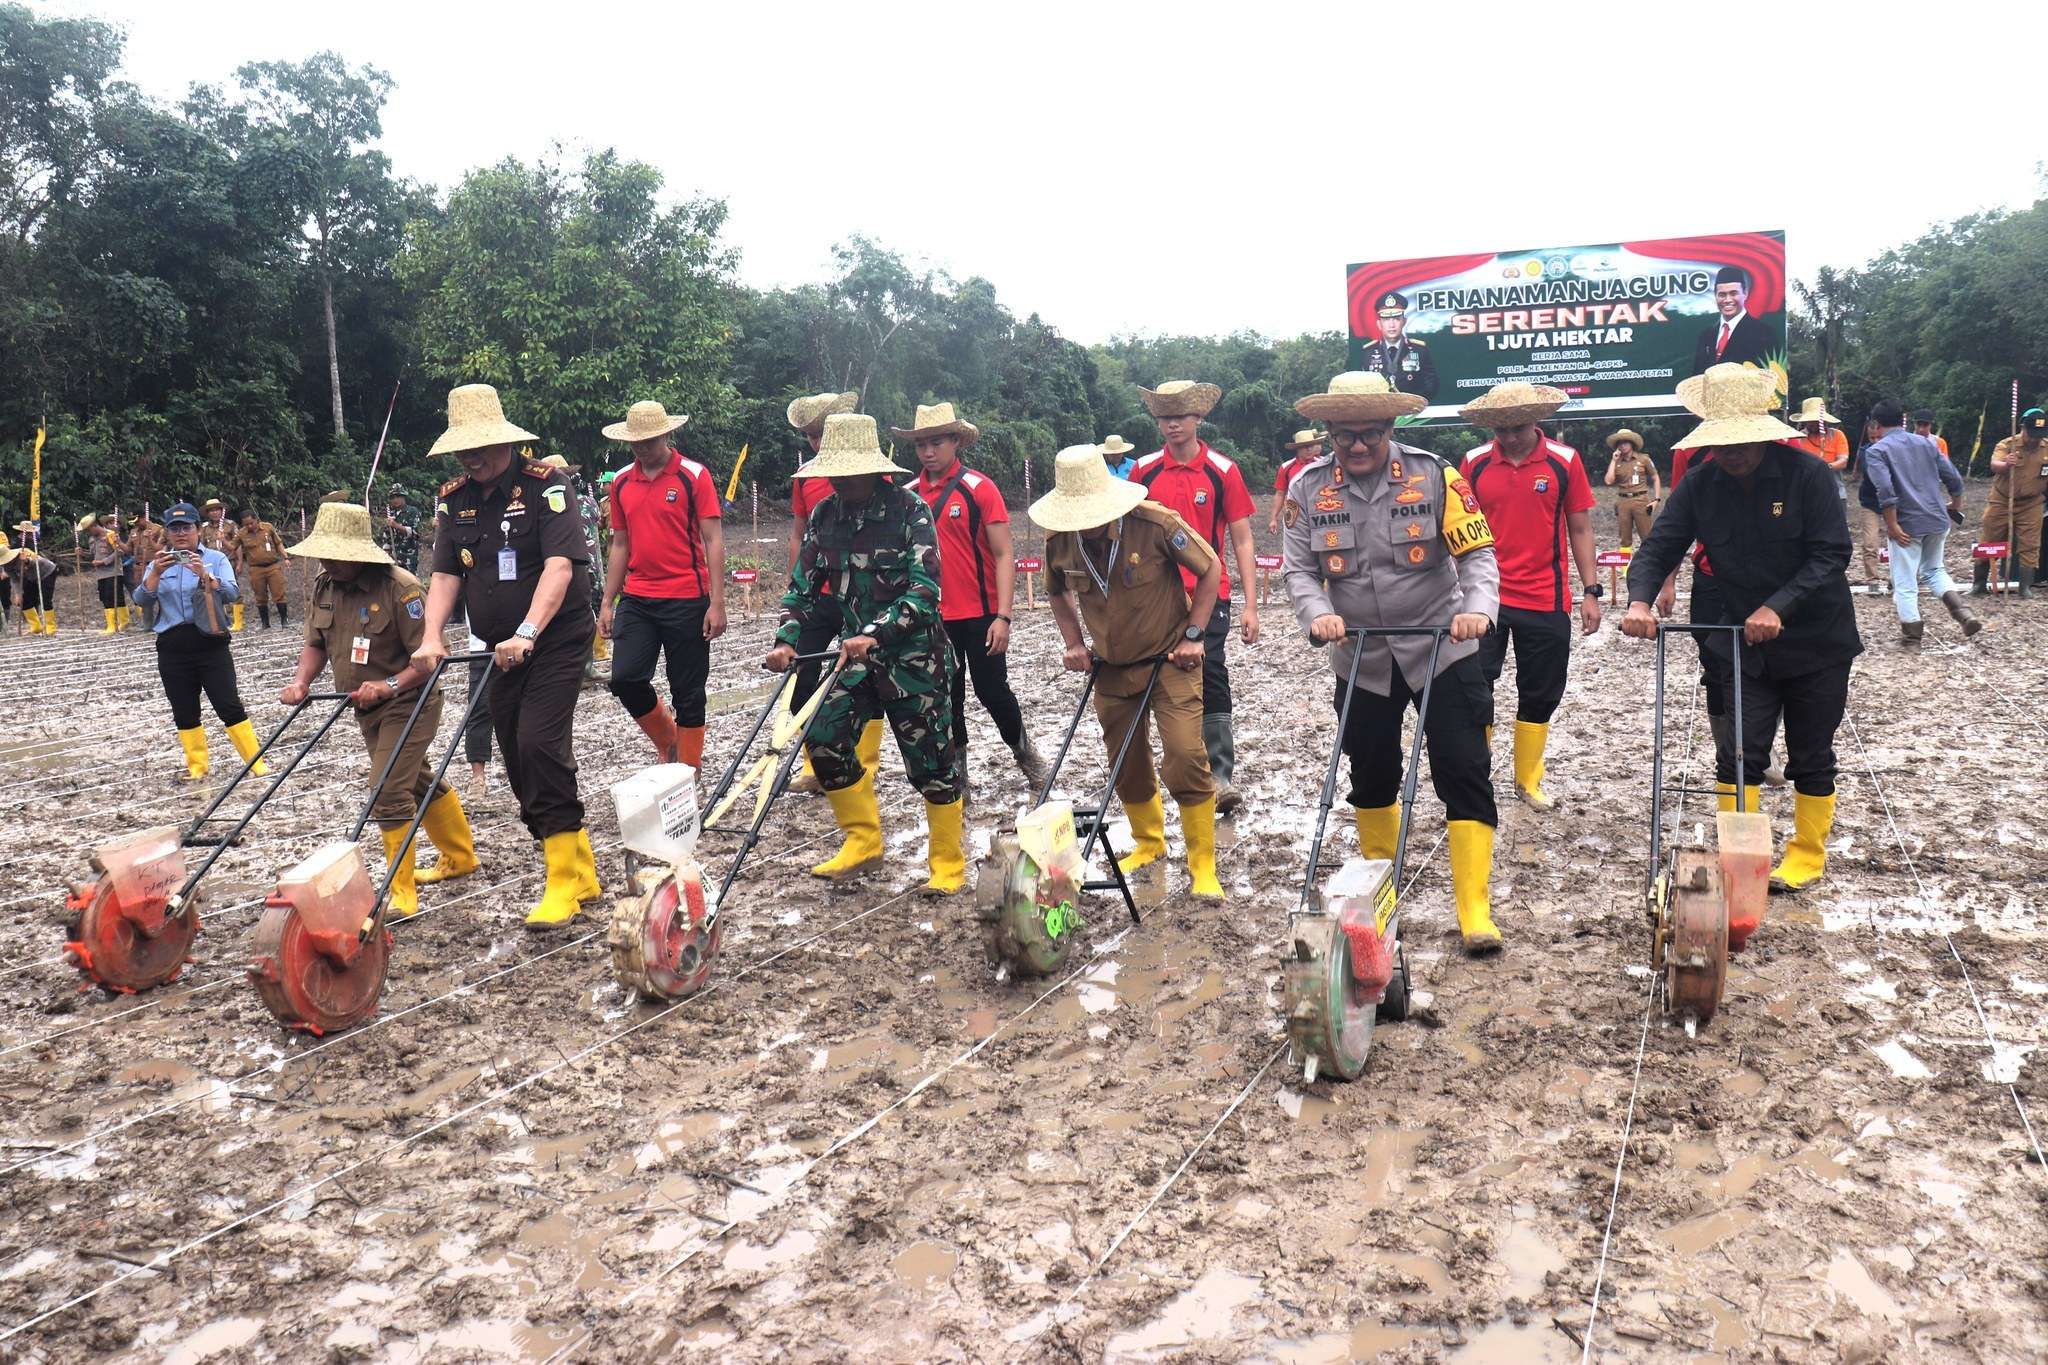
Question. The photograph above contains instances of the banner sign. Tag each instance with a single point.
(1614, 559)
(1616, 326)
(1268, 561)
(1030, 566)
(745, 575)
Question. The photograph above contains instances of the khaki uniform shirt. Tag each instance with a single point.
(219, 535)
(262, 547)
(1632, 475)
(1406, 547)
(1145, 609)
(386, 611)
(145, 542)
(2026, 478)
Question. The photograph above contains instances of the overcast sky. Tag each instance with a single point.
(1192, 169)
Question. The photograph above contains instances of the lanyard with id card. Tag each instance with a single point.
(508, 558)
(359, 647)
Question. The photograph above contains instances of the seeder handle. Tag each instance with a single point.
(779, 780)
(1657, 733)
(426, 689)
(732, 770)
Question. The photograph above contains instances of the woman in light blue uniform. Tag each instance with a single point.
(189, 660)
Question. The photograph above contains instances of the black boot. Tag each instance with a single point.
(264, 612)
(1962, 615)
(280, 615)
(1980, 579)
(2026, 581)
(1911, 632)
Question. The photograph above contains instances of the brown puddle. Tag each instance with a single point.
(1203, 1312)
(925, 1266)
(1698, 1234)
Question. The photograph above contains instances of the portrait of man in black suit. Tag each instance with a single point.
(1735, 337)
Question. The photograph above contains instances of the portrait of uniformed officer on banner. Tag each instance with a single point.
(1404, 362)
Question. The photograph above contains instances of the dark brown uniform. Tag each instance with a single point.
(1632, 470)
(529, 512)
(368, 628)
(1141, 618)
(263, 568)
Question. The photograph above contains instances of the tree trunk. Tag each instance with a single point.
(333, 357)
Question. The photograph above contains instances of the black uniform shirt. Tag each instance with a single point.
(1781, 543)
(531, 508)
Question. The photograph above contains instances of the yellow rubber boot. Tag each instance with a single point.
(34, 619)
(1471, 879)
(1198, 827)
(193, 742)
(1724, 797)
(868, 749)
(1530, 739)
(49, 621)
(127, 617)
(447, 829)
(1379, 827)
(559, 902)
(235, 616)
(589, 886)
(1806, 856)
(600, 648)
(860, 820)
(948, 858)
(111, 627)
(246, 744)
(405, 895)
(1489, 737)
(1148, 830)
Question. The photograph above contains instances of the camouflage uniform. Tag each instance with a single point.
(403, 539)
(593, 525)
(874, 570)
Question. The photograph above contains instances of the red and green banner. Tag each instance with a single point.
(1616, 326)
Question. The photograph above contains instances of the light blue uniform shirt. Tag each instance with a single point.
(178, 585)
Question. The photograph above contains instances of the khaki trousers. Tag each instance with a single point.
(1632, 519)
(265, 586)
(1176, 709)
(1869, 536)
(412, 777)
(2021, 523)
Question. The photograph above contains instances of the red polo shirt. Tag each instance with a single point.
(805, 495)
(664, 550)
(1293, 467)
(963, 503)
(1526, 506)
(1208, 492)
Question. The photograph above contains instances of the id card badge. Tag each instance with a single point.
(359, 650)
(508, 558)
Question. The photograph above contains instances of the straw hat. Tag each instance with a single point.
(24, 526)
(1734, 403)
(557, 462)
(851, 446)
(1084, 495)
(1815, 410)
(212, 503)
(342, 531)
(87, 522)
(8, 554)
(644, 421)
(938, 420)
(1116, 445)
(805, 413)
(477, 419)
(1181, 398)
(1513, 404)
(1625, 435)
(1306, 438)
(1359, 396)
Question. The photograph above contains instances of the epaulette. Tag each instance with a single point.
(534, 469)
(453, 484)
(1418, 341)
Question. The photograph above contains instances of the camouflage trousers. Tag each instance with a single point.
(913, 690)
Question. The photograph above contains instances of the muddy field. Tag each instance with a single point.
(860, 1144)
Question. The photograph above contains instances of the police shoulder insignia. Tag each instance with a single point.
(1290, 512)
(416, 607)
(440, 509)
(1179, 540)
(534, 469)
(453, 484)
(1394, 469)
(1335, 564)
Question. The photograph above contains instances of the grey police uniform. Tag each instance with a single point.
(1407, 546)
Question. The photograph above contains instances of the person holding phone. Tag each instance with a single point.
(192, 655)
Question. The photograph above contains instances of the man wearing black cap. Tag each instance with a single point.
(1405, 363)
(1735, 338)
(1923, 425)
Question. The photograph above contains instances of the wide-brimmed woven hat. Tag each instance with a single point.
(1116, 445)
(851, 446)
(1513, 404)
(1734, 404)
(557, 462)
(1360, 396)
(212, 503)
(1084, 493)
(87, 522)
(342, 531)
(8, 554)
(805, 413)
(938, 420)
(644, 421)
(1815, 410)
(1625, 435)
(1181, 398)
(1304, 439)
(477, 419)
(24, 526)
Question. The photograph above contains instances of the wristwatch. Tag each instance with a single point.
(392, 683)
(1593, 590)
(1191, 633)
(527, 631)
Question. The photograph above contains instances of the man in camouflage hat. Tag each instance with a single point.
(869, 561)
(402, 529)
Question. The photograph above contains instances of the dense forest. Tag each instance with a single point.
(224, 297)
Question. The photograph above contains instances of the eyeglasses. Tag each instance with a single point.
(1370, 436)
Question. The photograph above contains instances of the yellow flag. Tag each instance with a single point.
(732, 485)
(1978, 444)
(35, 480)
